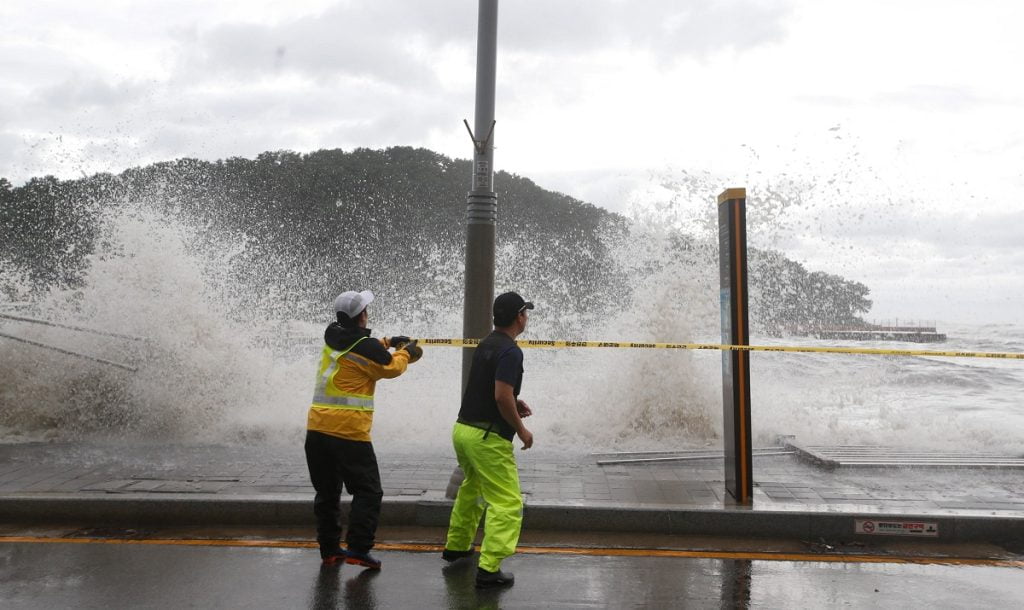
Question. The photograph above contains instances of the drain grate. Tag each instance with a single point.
(870, 456)
(650, 457)
(111, 532)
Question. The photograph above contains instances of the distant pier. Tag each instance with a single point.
(872, 332)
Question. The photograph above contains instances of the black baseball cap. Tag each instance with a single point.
(507, 306)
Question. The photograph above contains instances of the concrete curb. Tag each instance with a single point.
(150, 510)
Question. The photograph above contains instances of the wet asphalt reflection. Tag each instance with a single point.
(64, 575)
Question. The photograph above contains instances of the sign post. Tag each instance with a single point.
(732, 256)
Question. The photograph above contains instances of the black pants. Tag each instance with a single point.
(334, 462)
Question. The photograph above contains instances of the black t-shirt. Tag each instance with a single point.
(496, 358)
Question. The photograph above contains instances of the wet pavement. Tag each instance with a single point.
(115, 575)
(113, 484)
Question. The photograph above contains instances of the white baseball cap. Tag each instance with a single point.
(352, 303)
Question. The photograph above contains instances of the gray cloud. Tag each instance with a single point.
(668, 29)
(372, 41)
(37, 63)
(960, 241)
(78, 92)
(11, 151)
(311, 48)
(357, 74)
(384, 40)
(913, 222)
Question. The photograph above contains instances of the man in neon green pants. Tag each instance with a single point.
(491, 416)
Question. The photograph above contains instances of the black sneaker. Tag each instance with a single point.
(450, 555)
(333, 557)
(485, 579)
(363, 559)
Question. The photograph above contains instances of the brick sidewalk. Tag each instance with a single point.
(782, 483)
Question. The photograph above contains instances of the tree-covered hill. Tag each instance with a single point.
(306, 224)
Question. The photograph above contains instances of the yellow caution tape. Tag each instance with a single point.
(748, 348)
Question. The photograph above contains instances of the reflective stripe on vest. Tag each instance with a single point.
(326, 394)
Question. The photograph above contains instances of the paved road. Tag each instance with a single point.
(104, 575)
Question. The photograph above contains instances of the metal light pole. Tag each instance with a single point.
(482, 201)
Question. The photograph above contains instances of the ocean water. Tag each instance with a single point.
(969, 404)
(206, 375)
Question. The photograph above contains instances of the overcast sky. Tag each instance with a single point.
(885, 139)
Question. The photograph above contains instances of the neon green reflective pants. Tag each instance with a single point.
(492, 480)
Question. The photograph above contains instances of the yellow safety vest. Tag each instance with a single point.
(327, 394)
(348, 413)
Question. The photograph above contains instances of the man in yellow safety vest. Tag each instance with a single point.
(338, 447)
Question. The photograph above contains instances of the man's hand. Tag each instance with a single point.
(398, 341)
(522, 408)
(511, 410)
(527, 437)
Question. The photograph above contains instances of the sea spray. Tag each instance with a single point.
(232, 326)
(202, 374)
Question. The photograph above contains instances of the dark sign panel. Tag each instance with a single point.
(732, 253)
